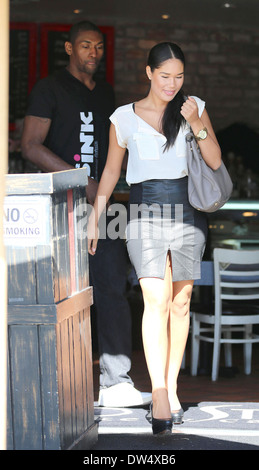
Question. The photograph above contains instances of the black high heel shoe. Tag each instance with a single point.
(160, 426)
(177, 417)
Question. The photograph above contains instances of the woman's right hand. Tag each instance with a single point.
(92, 234)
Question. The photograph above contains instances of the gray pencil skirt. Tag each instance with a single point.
(161, 221)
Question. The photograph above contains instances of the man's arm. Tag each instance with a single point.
(35, 131)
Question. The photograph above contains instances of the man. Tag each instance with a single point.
(67, 111)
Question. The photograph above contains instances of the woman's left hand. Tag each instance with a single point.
(189, 110)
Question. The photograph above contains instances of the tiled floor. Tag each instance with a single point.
(238, 388)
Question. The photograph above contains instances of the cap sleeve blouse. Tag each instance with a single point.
(147, 158)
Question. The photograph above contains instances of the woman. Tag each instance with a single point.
(166, 236)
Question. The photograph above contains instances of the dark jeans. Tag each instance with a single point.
(108, 276)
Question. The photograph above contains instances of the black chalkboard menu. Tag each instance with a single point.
(54, 57)
(23, 56)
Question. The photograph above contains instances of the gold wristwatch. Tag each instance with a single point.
(202, 134)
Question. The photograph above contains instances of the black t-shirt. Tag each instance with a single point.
(79, 131)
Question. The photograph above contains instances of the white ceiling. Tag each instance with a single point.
(244, 14)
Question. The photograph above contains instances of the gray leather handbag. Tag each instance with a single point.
(208, 190)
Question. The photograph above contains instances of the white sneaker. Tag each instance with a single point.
(123, 395)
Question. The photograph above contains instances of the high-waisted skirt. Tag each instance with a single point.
(161, 221)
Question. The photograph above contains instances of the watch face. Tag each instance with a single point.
(202, 134)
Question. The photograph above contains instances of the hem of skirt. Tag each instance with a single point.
(181, 278)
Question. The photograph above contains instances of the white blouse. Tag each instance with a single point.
(147, 158)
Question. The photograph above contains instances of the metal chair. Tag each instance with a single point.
(236, 288)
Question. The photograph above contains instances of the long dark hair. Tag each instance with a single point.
(172, 118)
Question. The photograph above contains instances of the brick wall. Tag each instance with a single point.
(222, 67)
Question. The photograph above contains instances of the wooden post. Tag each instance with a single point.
(49, 368)
(4, 93)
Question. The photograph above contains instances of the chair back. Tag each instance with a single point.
(236, 275)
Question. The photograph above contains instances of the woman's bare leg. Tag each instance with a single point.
(157, 295)
(179, 321)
